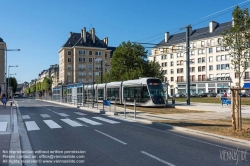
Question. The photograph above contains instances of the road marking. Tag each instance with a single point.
(71, 122)
(154, 157)
(52, 124)
(123, 119)
(31, 125)
(3, 126)
(111, 137)
(26, 116)
(48, 109)
(89, 121)
(79, 113)
(45, 115)
(106, 120)
(62, 114)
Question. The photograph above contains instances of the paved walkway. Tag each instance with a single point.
(9, 136)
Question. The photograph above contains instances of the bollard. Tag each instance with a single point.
(173, 101)
(97, 104)
(125, 108)
(135, 108)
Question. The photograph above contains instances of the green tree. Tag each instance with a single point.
(13, 83)
(46, 84)
(33, 89)
(27, 91)
(154, 69)
(128, 62)
(237, 39)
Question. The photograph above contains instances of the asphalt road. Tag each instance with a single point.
(60, 134)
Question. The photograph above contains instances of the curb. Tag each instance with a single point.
(15, 146)
(161, 124)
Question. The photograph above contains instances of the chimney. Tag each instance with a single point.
(166, 36)
(106, 41)
(212, 26)
(83, 34)
(93, 34)
(70, 34)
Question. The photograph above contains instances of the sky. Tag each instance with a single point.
(40, 27)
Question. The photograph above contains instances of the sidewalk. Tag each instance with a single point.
(9, 136)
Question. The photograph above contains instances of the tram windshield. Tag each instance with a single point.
(155, 87)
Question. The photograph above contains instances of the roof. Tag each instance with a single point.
(76, 40)
(1, 40)
(196, 34)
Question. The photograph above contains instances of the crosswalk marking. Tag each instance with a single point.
(71, 122)
(106, 120)
(45, 115)
(52, 124)
(31, 125)
(3, 126)
(79, 113)
(26, 116)
(89, 121)
(62, 114)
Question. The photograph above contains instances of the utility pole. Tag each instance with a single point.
(101, 72)
(188, 63)
(93, 77)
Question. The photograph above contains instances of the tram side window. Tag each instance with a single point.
(145, 93)
(79, 90)
(131, 92)
(69, 91)
(112, 93)
(100, 94)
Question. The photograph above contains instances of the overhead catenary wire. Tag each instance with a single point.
(178, 29)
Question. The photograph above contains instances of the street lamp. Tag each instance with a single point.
(6, 50)
(9, 75)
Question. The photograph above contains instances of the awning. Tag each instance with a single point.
(246, 85)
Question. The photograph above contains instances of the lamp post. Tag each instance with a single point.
(6, 50)
(9, 75)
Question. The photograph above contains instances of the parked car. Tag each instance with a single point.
(243, 94)
(211, 94)
(202, 95)
(193, 95)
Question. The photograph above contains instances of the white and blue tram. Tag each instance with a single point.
(148, 92)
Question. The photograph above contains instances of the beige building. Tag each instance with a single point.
(80, 58)
(52, 72)
(210, 64)
(2, 66)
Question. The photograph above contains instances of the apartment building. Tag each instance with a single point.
(2, 66)
(80, 58)
(210, 65)
(52, 72)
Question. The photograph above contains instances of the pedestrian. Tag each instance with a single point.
(4, 100)
(225, 93)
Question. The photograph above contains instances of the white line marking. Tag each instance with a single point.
(26, 116)
(52, 124)
(106, 120)
(111, 137)
(79, 113)
(89, 121)
(62, 114)
(3, 126)
(71, 122)
(123, 119)
(48, 109)
(45, 115)
(154, 157)
(31, 125)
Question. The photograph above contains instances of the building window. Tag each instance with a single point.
(172, 71)
(210, 50)
(217, 49)
(212, 42)
(199, 69)
(192, 69)
(69, 67)
(172, 63)
(210, 67)
(222, 57)
(203, 68)
(227, 66)
(236, 75)
(227, 57)
(210, 59)
(154, 58)
(90, 52)
(218, 67)
(192, 53)
(199, 52)
(69, 59)
(81, 59)
(99, 53)
(219, 40)
(90, 66)
(69, 52)
(81, 52)
(203, 60)
(218, 58)
(90, 73)
(171, 56)
(199, 60)
(180, 70)
(202, 44)
(223, 66)
(172, 79)
(90, 59)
